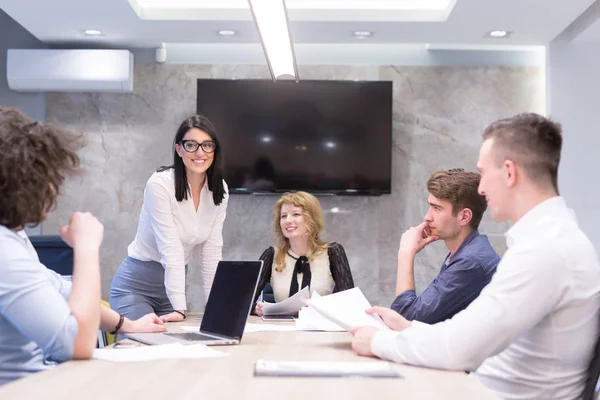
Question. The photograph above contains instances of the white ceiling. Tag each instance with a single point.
(532, 22)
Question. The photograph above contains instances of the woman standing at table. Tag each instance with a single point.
(300, 258)
(181, 219)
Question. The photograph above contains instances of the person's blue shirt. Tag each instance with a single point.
(36, 324)
(462, 277)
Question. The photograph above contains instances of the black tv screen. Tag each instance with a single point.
(318, 136)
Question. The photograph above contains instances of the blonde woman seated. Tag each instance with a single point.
(300, 257)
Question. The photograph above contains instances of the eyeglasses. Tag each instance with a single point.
(191, 146)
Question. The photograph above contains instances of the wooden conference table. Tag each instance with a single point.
(233, 377)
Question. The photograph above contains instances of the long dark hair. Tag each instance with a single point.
(214, 174)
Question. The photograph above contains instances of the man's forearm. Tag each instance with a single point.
(84, 300)
(405, 278)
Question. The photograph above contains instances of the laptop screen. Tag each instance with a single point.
(231, 297)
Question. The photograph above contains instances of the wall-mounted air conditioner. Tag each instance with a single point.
(70, 70)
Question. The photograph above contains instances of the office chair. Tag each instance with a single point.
(267, 294)
(54, 253)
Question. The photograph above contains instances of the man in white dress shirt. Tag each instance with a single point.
(532, 331)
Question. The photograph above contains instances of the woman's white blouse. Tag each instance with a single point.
(321, 280)
(172, 233)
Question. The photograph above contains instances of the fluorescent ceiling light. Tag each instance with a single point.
(298, 10)
(485, 47)
(307, 4)
(271, 21)
(370, 4)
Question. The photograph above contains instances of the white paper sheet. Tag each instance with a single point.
(250, 328)
(346, 309)
(269, 327)
(159, 352)
(289, 306)
(326, 369)
(310, 320)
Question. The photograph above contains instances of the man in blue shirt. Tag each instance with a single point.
(455, 211)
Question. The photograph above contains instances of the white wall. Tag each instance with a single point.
(573, 90)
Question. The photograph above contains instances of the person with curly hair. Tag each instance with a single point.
(301, 258)
(42, 316)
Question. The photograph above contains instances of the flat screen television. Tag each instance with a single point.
(330, 137)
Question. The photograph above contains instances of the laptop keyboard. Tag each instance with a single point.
(191, 336)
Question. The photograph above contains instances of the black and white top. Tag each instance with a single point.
(330, 272)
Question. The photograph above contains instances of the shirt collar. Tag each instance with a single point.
(523, 227)
(294, 256)
(465, 242)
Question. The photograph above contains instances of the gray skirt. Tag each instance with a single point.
(138, 288)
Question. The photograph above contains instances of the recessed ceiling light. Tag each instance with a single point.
(226, 32)
(362, 34)
(498, 34)
(92, 32)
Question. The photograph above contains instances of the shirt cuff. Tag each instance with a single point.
(384, 342)
(403, 301)
(178, 301)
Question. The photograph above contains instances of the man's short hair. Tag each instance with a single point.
(529, 140)
(459, 188)
(34, 159)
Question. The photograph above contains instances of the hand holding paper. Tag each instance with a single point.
(391, 318)
(289, 306)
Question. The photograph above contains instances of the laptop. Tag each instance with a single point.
(226, 311)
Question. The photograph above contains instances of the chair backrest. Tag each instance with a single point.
(590, 391)
(54, 253)
(267, 294)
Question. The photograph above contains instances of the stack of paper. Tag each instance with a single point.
(325, 369)
(159, 352)
(310, 320)
(346, 309)
(289, 306)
